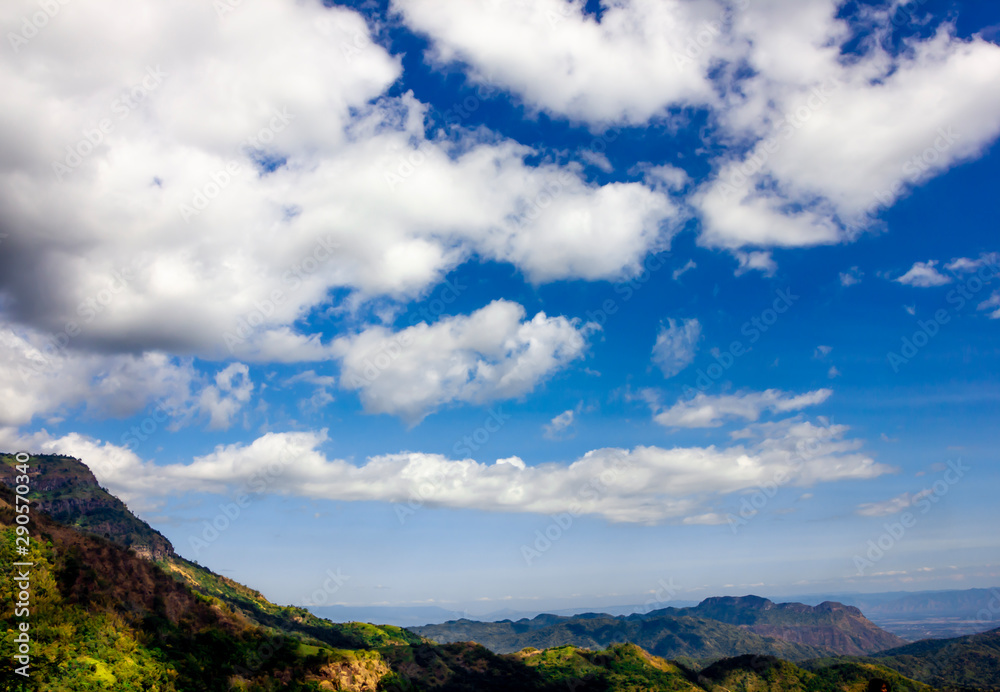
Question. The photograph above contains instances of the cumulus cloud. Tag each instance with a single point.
(206, 167)
(826, 151)
(923, 275)
(493, 353)
(41, 379)
(704, 411)
(231, 391)
(824, 148)
(38, 378)
(641, 58)
(676, 345)
(647, 485)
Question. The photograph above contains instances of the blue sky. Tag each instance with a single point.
(509, 304)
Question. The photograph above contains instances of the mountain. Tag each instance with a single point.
(101, 617)
(106, 616)
(667, 636)
(969, 661)
(716, 627)
(833, 626)
(628, 667)
(66, 490)
(925, 614)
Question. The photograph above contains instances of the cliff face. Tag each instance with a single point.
(358, 674)
(65, 489)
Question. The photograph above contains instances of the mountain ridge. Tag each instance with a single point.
(747, 623)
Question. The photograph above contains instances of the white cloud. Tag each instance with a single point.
(828, 153)
(37, 378)
(560, 424)
(676, 345)
(688, 266)
(851, 276)
(321, 395)
(755, 261)
(629, 67)
(923, 275)
(992, 302)
(965, 265)
(704, 411)
(224, 399)
(890, 506)
(827, 148)
(488, 355)
(822, 351)
(365, 201)
(597, 159)
(833, 372)
(646, 485)
(311, 377)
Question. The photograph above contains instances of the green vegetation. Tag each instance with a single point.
(66, 490)
(104, 617)
(667, 636)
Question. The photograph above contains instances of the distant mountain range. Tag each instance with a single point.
(910, 615)
(114, 607)
(716, 627)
